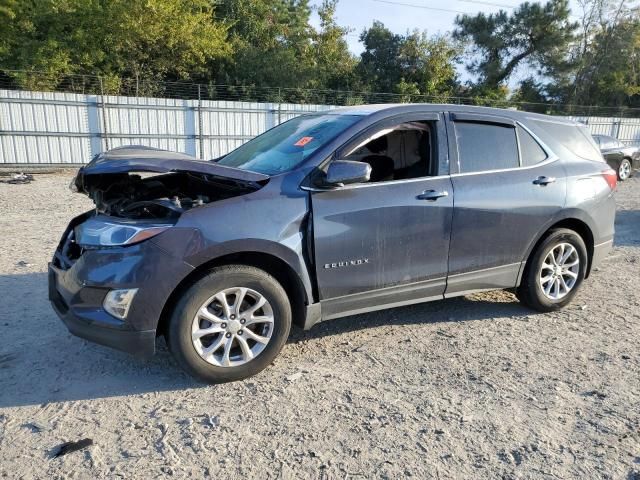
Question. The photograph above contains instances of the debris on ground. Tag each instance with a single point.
(70, 447)
(35, 427)
(293, 377)
(19, 178)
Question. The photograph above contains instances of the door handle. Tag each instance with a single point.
(432, 195)
(544, 180)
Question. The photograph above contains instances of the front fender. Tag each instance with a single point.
(191, 247)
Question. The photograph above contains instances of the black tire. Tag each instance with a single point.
(623, 168)
(221, 278)
(530, 291)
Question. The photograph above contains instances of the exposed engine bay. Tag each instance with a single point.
(164, 196)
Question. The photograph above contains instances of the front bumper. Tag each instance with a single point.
(77, 289)
(141, 343)
(96, 326)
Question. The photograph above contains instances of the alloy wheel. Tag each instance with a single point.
(232, 327)
(625, 170)
(559, 271)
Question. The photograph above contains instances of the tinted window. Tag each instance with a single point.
(287, 145)
(576, 138)
(485, 146)
(608, 142)
(530, 150)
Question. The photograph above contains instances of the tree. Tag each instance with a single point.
(378, 67)
(429, 63)
(602, 68)
(7, 18)
(531, 92)
(334, 64)
(143, 39)
(412, 64)
(272, 40)
(611, 73)
(534, 35)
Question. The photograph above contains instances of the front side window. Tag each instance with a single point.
(286, 146)
(486, 146)
(396, 152)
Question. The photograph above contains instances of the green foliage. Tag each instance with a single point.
(268, 50)
(531, 93)
(334, 65)
(534, 35)
(412, 64)
(605, 70)
(146, 40)
(7, 22)
(272, 42)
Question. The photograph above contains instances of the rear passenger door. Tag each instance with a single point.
(507, 186)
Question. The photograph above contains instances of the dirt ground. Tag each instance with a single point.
(472, 387)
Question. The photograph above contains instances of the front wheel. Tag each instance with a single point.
(230, 324)
(624, 170)
(554, 271)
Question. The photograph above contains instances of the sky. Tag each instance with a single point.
(401, 16)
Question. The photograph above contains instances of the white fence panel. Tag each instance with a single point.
(627, 130)
(42, 128)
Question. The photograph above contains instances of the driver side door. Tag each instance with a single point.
(386, 243)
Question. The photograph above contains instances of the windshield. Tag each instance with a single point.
(287, 145)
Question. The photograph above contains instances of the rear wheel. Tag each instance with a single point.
(554, 271)
(230, 324)
(624, 170)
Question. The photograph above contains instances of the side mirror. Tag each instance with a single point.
(342, 172)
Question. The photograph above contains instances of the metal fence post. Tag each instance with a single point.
(105, 129)
(279, 105)
(200, 135)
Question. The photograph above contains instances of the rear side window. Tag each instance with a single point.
(486, 146)
(576, 138)
(530, 150)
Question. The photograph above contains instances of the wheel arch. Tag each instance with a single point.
(572, 223)
(272, 264)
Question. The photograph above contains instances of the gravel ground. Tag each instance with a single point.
(468, 387)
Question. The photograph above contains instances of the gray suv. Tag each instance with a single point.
(328, 215)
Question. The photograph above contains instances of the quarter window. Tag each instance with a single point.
(575, 138)
(486, 146)
(530, 151)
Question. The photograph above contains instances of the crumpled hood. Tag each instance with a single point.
(138, 158)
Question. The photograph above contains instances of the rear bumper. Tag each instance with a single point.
(88, 325)
(600, 251)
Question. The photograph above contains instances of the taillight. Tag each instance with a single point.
(611, 178)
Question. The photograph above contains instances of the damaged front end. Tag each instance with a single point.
(143, 183)
(106, 282)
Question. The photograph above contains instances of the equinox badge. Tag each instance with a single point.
(347, 263)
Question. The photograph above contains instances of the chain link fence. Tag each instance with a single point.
(132, 87)
(67, 120)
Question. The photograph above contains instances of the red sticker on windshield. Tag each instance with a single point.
(303, 141)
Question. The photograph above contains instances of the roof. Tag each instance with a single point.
(399, 108)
